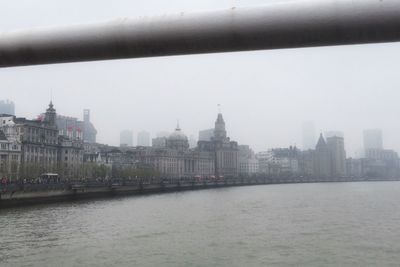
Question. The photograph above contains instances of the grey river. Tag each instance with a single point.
(331, 224)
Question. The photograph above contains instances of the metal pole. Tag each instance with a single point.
(291, 24)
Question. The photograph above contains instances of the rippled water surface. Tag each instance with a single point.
(345, 224)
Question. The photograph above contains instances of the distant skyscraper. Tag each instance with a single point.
(309, 139)
(322, 159)
(126, 138)
(143, 138)
(338, 155)
(206, 135)
(89, 132)
(7, 107)
(373, 139)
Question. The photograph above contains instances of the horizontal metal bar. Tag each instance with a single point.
(291, 24)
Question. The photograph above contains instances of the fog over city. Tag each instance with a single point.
(265, 96)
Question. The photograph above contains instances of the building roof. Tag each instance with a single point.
(178, 134)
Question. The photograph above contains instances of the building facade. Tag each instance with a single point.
(247, 161)
(10, 154)
(42, 147)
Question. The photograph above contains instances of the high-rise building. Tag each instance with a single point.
(372, 139)
(322, 159)
(89, 132)
(309, 138)
(126, 138)
(206, 135)
(338, 156)
(143, 138)
(7, 107)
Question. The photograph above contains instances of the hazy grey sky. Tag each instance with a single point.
(265, 95)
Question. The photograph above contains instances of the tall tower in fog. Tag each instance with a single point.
(338, 155)
(7, 107)
(143, 138)
(126, 138)
(373, 139)
(309, 137)
(89, 132)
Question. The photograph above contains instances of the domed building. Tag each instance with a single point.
(178, 140)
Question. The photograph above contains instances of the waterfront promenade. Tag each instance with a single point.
(15, 194)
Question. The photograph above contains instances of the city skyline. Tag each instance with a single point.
(300, 144)
(145, 138)
(267, 93)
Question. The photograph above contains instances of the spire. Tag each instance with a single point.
(177, 125)
(50, 115)
(321, 142)
(219, 129)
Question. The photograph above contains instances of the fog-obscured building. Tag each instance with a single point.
(322, 160)
(206, 135)
(143, 138)
(89, 131)
(372, 139)
(308, 135)
(126, 138)
(7, 107)
(338, 156)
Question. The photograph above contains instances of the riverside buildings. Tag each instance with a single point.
(247, 161)
(55, 143)
(42, 147)
(10, 154)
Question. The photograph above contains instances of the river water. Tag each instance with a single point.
(332, 224)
